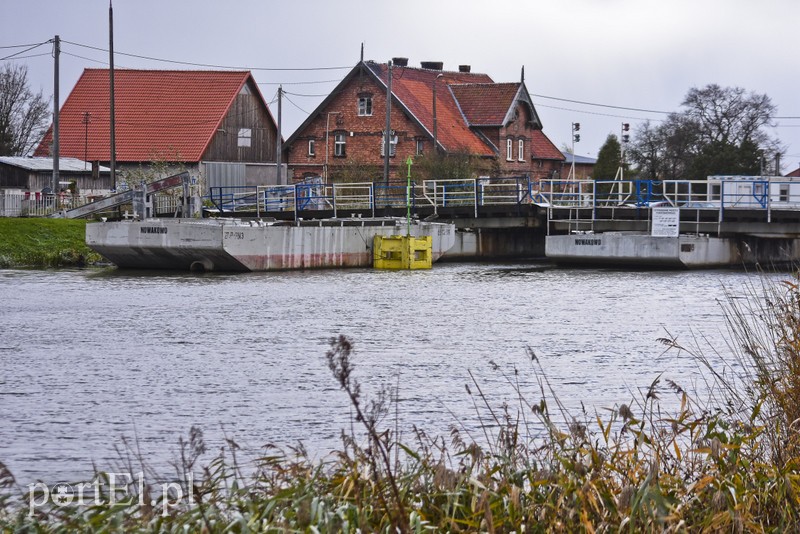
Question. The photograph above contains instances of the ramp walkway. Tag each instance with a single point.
(128, 197)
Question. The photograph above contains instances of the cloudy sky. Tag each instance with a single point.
(642, 54)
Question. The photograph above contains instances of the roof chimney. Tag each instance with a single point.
(432, 65)
(400, 61)
(464, 68)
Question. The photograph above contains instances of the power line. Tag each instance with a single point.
(304, 95)
(26, 50)
(299, 83)
(602, 105)
(207, 65)
(600, 114)
(295, 105)
(30, 56)
(105, 63)
(21, 45)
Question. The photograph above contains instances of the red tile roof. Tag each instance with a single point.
(486, 104)
(414, 88)
(543, 147)
(794, 174)
(170, 115)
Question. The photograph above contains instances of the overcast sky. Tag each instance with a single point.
(641, 54)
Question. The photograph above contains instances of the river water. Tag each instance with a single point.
(92, 357)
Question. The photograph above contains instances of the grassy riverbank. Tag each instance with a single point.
(44, 243)
(726, 463)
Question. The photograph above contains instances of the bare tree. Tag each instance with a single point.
(24, 115)
(721, 130)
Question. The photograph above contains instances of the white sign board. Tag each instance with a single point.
(666, 222)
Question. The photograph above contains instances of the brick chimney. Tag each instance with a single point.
(432, 65)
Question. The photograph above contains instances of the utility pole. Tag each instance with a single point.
(56, 160)
(435, 121)
(387, 134)
(620, 176)
(113, 138)
(87, 118)
(280, 143)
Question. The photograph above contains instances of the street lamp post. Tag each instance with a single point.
(620, 176)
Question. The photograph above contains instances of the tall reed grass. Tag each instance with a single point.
(724, 463)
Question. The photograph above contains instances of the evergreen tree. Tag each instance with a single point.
(607, 159)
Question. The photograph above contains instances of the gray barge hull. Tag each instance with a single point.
(234, 245)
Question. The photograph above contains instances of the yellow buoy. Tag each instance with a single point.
(400, 252)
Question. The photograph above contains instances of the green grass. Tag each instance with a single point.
(44, 243)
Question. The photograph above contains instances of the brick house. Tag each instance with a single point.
(215, 124)
(473, 115)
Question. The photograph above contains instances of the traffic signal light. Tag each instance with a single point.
(625, 126)
(577, 137)
(576, 126)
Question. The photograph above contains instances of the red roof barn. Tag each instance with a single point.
(187, 117)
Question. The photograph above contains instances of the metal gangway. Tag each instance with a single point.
(137, 197)
(470, 193)
(581, 204)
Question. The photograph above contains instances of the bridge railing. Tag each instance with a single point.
(564, 193)
(234, 198)
(357, 196)
(503, 191)
(449, 193)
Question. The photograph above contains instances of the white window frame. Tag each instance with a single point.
(509, 149)
(339, 144)
(365, 106)
(420, 147)
(245, 137)
(312, 147)
(521, 150)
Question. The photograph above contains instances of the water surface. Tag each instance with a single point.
(90, 356)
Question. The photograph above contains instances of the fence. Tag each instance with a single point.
(25, 204)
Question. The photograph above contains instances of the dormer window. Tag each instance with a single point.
(365, 106)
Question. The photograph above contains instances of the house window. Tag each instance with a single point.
(339, 144)
(715, 192)
(509, 149)
(365, 106)
(783, 193)
(392, 145)
(245, 135)
(420, 146)
(311, 147)
(521, 150)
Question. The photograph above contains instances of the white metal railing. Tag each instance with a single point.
(358, 196)
(448, 193)
(14, 204)
(501, 191)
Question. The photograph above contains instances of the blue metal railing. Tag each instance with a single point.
(715, 193)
